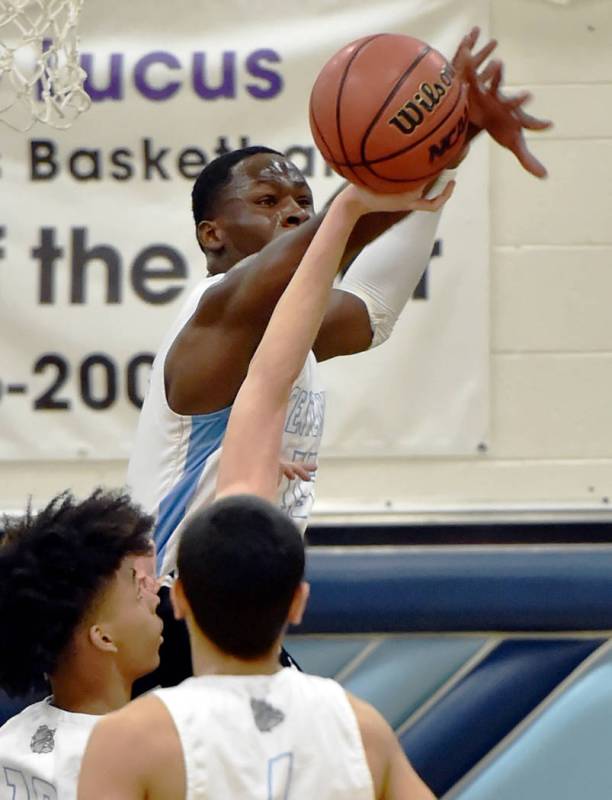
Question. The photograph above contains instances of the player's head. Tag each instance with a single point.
(70, 590)
(241, 568)
(244, 199)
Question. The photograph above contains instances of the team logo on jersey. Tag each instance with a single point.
(266, 716)
(43, 740)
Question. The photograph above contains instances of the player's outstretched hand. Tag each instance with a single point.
(502, 116)
(411, 200)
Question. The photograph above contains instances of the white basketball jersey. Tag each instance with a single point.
(287, 736)
(175, 459)
(41, 751)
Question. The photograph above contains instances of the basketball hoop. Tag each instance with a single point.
(40, 75)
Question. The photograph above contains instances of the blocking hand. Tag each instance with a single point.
(502, 116)
(411, 200)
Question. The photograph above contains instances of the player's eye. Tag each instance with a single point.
(305, 201)
(266, 200)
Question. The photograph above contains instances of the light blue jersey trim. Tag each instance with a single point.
(207, 432)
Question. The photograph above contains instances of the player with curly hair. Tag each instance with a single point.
(77, 615)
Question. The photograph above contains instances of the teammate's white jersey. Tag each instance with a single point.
(268, 737)
(174, 463)
(41, 751)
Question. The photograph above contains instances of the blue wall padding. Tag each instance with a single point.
(563, 755)
(402, 674)
(325, 656)
(442, 589)
(487, 704)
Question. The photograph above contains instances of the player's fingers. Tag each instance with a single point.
(487, 73)
(294, 469)
(462, 54)
(532, 123)
(517, 100)
(472, 37)
(434, 203)
(481, 56)
(304, 472)
(529, 161)
(497, 77)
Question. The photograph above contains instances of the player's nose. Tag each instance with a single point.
(294, 214)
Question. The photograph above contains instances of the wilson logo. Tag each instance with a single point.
(414, 112)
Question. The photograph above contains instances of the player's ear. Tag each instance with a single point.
(298, 604)
(210, 235)
(178, 599)
(101, 639)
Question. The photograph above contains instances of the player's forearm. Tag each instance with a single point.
(252, 443)
(299, 312)
(257, 291)
(370, 227)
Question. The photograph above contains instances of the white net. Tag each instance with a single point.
(40, 75)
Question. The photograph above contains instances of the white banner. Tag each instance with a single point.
(97, 245)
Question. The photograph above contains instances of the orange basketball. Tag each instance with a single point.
(387, 110)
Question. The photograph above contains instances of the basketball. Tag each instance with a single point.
(387, 111)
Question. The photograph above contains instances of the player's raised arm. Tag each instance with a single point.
(249, 459)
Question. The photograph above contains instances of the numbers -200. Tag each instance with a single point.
(97, 377)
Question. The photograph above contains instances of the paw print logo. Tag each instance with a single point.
(43, 740)
(266, 716)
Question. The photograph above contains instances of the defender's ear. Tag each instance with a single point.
(101, 639)
(210, 236)
(298, 604)
(178, 599)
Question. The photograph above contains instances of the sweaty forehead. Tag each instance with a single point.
(267, 167)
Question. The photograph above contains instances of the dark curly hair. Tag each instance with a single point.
(53, 566)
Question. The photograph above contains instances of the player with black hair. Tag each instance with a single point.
(77, 614)
(265, 559)
(205, 191)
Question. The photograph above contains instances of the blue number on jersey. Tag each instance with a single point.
(279, 776)
(16, 780)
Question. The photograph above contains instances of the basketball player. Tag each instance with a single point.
(76, 608)
(245, 727)
(254, 219)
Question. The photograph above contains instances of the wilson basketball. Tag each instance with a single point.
(387, 110)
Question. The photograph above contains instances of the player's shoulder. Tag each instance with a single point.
(386, 759)
(376, 732)
(35, 712)
(142, 744)
(221, 285)
(143, 728)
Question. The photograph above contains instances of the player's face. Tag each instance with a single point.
(129, 605)
(266, 197)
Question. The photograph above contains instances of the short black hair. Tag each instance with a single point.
(240, 562)
(214, 176)
(53, 566)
